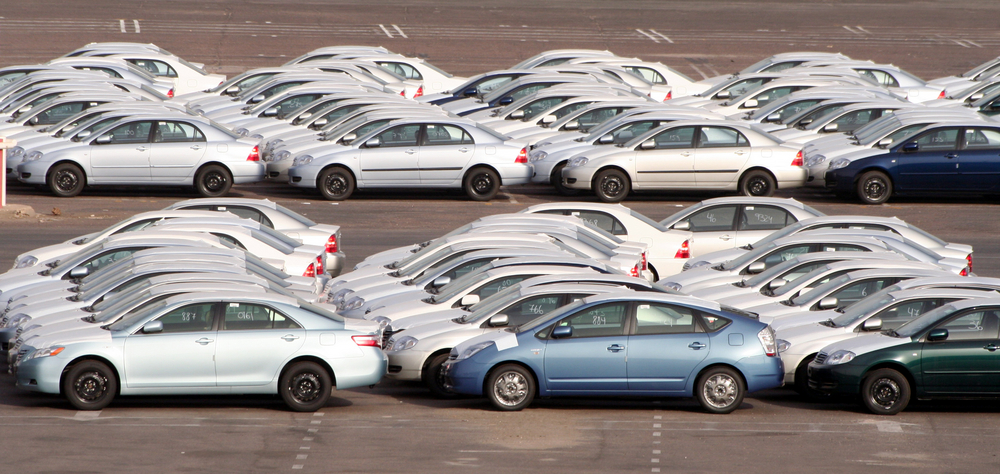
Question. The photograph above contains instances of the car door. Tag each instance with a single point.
(670, 163)
(721, 155)
(181, 355)
(756, 222)
(592, 359)
(121, 155)
(445, 150)
(714, 228)
(967, 361)
(933, 165)
(394, 160)
(254, 342)
(666, 346)
(176, 151)
(979, 160)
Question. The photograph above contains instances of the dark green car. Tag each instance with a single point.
(950, 352)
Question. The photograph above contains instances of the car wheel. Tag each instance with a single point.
(758, 183)
(885, 392)
(213, 181)
(874, 187)
(802, 381)
(482, 184)
(66, 180)
(305, 386)
(556, 180)
(90, 385)
(611, 185)
(720, 390)
(336, 184)
(510, 387)
(434, 379)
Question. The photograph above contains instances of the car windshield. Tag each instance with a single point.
(681, 213)
(554, 315)
(820, 290)
(138, 314)
(864, 307)
(247, 79)
(924, 321)
(462, 283)
(97, 288)
(77, 258)
(499, 136)
(746, 258)
(493, 303)
(647, 221)
(121, 301)
(448, 258)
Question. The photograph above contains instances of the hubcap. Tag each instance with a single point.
(66, 180)
(757, 186)
(510, 388)
(305, 387)
(90, 386)
(721, 390)
(612, 186)
(482, 183)
(214, 181)
(874, 188)
(885, 393)
(336, 184)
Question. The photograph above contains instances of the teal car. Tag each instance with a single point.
(950, 352)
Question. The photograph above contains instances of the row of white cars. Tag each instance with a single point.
(342, 118)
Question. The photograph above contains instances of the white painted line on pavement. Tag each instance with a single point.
(400, 31)
(862, 29)
(661, 35)
(87, 415)
(136, 23)
(848, 28)
(648, 35)
(121, 23)
(385, 30)
(703, 75)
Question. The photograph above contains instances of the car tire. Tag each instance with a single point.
(611, 185)
(90, 385)
(801, 384)
(481, 184)
(433, 378)
(213, 181)
(757, 183)
(885, 392)
(874, 187)
(510, 387)
(305, 386)
(66, 180)
(720, 390)
(335, 184)
(556, 179)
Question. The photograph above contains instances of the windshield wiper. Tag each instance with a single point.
(829, 323)
(747, 247)
(891, 333)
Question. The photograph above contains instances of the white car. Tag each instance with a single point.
(434, 80)
(656, 73)
(895, 79)
(844, 120)
(187, 77)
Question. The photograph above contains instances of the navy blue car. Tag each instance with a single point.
(622, 343)
(941, 158)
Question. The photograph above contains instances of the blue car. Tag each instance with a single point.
(622, 343)
(952, 157)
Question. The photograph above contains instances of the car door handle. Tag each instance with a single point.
(725, 237)
(410, 151)
(740, 152)
(616, 348)
(686, 154)
(463, 150)
(289, 337)
(991, 347)
(141, 148)
(203, 341)
(196, 147)
(951, 156)
(696, 345)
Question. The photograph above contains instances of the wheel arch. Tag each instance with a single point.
(758, 168)
(308, 358)
(482, 165)
(898, 367)
(694, 380)
(208, 163)
(430, 357)
(862, 171)
(83, 169)
(608, 167)
(95, 358)
(534, 376)
(338, 165)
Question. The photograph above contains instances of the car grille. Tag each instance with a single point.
(821, 357)
(385, 337)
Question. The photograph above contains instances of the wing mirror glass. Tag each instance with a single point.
(499, 320)
(152, 327)
(828, 303)
(562, 332)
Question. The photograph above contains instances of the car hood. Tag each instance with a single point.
(436, 318)
(800, 335)
(867, 343)
(89, 334)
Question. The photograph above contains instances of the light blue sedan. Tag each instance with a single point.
(208, 343)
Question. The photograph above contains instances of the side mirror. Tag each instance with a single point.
(884, 142)
(270, 112)
(756, 267)
(937, 335)
(723, 95)
(910, 147)
(994, 106)
(549, 119)
(778, 283)
(498, 320)
(24, 109)
(606, 139)
(682, 225)
(257, 98)
(648, 145)
(506, 101)
(749, 104)
(33, 120)
(562, 332)
(773, 118)
(975, 97)
(804, 122)
(83, 134)
(872, 324)
(103, 140)
(373, 142)
(440, 281)
(516, 115)
(828, 303)
(304, 116)
(320, 122)
(79, 272)
(469, 300)
(233, 90)
(831, 127)
(350, 137)
(152, 327)
(572, 125)
(471, 92)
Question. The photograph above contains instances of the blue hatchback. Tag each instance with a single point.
(623, 343)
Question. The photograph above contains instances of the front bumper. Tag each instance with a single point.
(39, 375)
(406, 365)
(842, 380)
(464, 376)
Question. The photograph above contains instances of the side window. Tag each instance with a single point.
(647, 74)
(795, 108)
(587, 120)
(898, 314)
(767, 97)
(402, 69)
(741, 87)
(783, 254)
(279, 88)
(568, 109)
(247, 213)
(177, 132)
(59, 113)
(250, 81)
(539, 106)
(852, 120)
(496, 286)
(718, 137)
(400, 135)
(854, 225)
(230, 239)
(438, 134)
(137, 225)
(156, 68)
(941, 139)
(602, 220)
(665, 319)
(803, 269)
(365, 129)
(242, 316)
(110, 72)
(834, 247)
(856, 291)
(531, 308)
(764, 218)
(713, 219)
(291, 104)
(190, 318)
(527, 90)
(602, 320)
(982, 324)
(132, 132)
(462, 270)
(107, 258)
(981, 138)
(492, 83)
(778, 67)
(880, 77)
(680, 137)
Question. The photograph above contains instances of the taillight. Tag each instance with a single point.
(964, 272)
(645, 264)
(254, 154)
(331, 244)
(670, 95)
(366, 341)
(941, 95)
(319, 264)
(766, 337)
(402, 93)
(310, 270)
(968, 259)
(684, 251)
(522, 157)
(798, 159)
(420, 92)
(635, 271)
(170, 94)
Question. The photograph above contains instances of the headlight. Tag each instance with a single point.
(839, 163)
(242, 131)
(578, 161)
(338, 297)
(16, 319)
(302, 160)
(672, 285)
(537, 155)
(26, 261)
(697, 264)
(474, 349)
(815, 160)
(403, 343)
(840, 357)
(354, 303)
(382, 321)
(15, 152)
(33, 156)
(46, 352)
(783, 345)
(282, 155)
